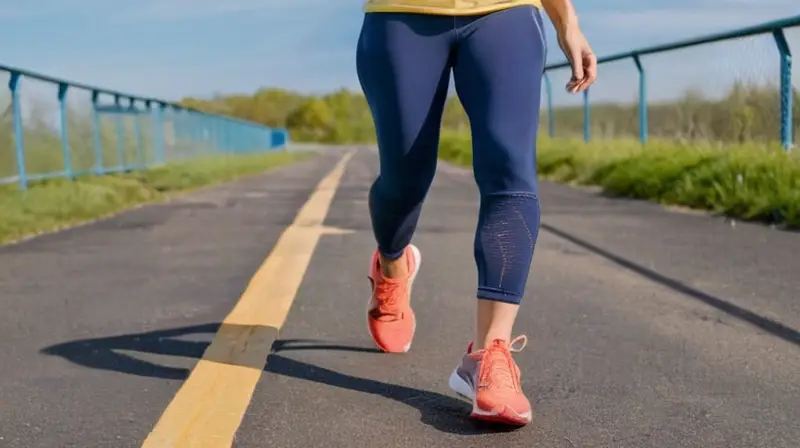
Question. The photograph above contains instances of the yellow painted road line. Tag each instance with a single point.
(208, 408)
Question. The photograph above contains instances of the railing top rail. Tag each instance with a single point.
(78, 85)
(711, 38)
(115, 93)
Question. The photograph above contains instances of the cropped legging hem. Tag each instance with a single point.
(498, 295)
(391, 255)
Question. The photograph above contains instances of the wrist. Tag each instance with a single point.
(566, 26)
(562, 14)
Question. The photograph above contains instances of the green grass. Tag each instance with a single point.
(747, 181)
(53, 204)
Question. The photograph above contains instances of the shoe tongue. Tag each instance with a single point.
(393, 281)
(501, 343)
(498, 362)
(497, 343)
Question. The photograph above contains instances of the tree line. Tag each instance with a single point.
(748, 112)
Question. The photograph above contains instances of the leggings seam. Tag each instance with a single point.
(541, 35)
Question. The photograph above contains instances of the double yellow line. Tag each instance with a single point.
(208, 408)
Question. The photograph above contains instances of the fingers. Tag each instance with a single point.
(590, 68)
(585, 75)
(576, 61)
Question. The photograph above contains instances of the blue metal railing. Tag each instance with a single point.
(776, 28)
(175, 132)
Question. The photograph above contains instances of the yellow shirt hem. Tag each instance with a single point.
(450, 11)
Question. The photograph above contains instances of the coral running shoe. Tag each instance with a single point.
(491, 379)
(390, 319)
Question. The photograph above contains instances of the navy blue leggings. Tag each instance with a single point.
(497, 59)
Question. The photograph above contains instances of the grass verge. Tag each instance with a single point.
(750, 182)
(54, 204)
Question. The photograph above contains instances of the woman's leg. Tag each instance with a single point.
(403, 63)
(498, 76)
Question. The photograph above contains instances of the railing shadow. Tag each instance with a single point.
(442, 412)
(763, 323)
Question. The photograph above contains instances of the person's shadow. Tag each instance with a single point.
(442, 412)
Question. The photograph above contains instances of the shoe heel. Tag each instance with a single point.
(459, 386)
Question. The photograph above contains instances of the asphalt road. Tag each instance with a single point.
(648, 327)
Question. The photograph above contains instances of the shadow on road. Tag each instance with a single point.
(440, 411)
(768, 325)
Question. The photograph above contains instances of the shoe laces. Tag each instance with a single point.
(387, 294)
(498, 367)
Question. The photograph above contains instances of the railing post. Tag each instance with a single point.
(194, 135)
(218, 136)
(148, 104)
(120, 132)
(279, 139)
(247, 136)
(642, 99)
(211, 125)
(212, 133)
(179, 128)
(236, 137)
(786, 89)
(586, 117)
(159, 132)
(255, 138)
(62, 111)
(137, 133)
(19, 144)
(98, 142)
(226, 138)
(219, 132)
(195, 132)
(548, 90)
(205, 132)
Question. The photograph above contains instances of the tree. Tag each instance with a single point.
(312, 120)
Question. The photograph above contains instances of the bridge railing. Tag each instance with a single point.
(715, 102)
(110, 132)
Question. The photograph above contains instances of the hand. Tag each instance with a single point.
(580, 56)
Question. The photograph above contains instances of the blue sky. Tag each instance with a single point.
(173, 48)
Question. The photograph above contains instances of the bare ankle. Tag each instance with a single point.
(486, 341)
(394, 268)
(495, 321)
